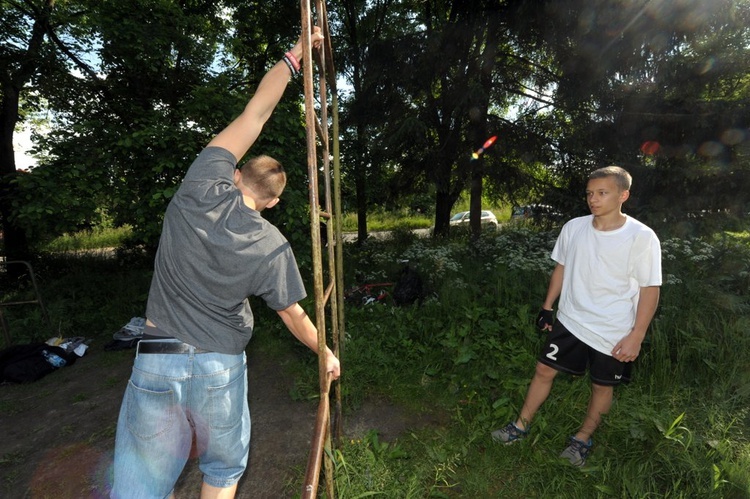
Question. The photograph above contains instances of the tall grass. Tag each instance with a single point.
(459, 365)
(87, 293)
(385, 220)
(679, 430)
(94, 239)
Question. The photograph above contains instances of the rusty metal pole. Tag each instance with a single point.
(317, 133)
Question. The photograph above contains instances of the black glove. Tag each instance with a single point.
(544, 319)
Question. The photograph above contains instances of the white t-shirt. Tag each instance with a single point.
(603, 274)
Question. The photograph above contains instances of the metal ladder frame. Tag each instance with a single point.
(331, 294)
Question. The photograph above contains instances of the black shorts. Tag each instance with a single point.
(566, 353)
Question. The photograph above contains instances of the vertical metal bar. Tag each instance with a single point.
(6, 329)
(322, 434)
(325, 56)
(312, 172)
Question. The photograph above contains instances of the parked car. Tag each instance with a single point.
(536, 212)
(462, 219)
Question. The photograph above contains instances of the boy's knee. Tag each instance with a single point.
(545, 371)
(602, 390)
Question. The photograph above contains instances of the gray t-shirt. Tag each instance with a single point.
(214, 252)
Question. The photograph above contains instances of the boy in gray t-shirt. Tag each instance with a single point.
(188, 388)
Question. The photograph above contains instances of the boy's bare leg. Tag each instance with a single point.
(211, 492)
(539, 389)
(600, 403)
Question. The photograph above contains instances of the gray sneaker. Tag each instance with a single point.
(509, 434)
(576, 452)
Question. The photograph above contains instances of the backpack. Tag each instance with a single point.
(26, 363)
(409, 288)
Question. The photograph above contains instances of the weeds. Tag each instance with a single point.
(681, 429)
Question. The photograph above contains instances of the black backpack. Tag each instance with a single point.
(26, 363)
(409, 288)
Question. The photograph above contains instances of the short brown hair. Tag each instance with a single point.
(264, 176)
(621, 176)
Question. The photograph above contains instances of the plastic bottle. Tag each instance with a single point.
(53, 359)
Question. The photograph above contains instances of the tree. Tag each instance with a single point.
(162, 79)
(658, 87)
(430, 98)
(34, 44)
(364, 30)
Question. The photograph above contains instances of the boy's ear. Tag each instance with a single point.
(272, 203)
(624, 195)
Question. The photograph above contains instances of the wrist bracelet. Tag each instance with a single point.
(293, 60)
(289, 65)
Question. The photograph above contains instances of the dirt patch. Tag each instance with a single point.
(58, 433)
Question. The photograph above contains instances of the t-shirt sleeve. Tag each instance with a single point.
(647, 259)
(282, 285)
(211, 164)
(559, 251)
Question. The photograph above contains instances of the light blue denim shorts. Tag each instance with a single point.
(171, 399)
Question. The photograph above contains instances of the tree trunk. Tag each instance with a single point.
(475, 199)
(15, 244)
(486, 66)
(361, 205)
(443, 206)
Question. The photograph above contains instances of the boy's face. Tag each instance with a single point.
(604, 197)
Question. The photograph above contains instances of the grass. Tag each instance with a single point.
(89, 240)
(681, 429)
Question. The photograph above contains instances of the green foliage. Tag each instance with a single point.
(386, 221)
(94, 239)
(461, 362)
(119, 145)
(469, 351)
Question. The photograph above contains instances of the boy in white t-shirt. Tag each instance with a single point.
(607, 280)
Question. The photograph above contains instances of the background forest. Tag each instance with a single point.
(121, 95)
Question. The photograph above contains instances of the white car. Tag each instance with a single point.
(462, 219)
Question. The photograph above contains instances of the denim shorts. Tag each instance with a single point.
(175, 402)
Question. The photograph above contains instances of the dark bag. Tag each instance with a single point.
(26, 363)
(409, 288)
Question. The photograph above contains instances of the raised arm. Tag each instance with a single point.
(241, 133)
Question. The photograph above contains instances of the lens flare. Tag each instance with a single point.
(485, 146)
(650, 147)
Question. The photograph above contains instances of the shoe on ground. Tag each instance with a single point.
(576, 452)
(509, 434)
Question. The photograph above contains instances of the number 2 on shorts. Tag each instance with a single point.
(553, 352)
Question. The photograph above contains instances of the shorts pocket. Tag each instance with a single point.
(226, 403)
(149, 413)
